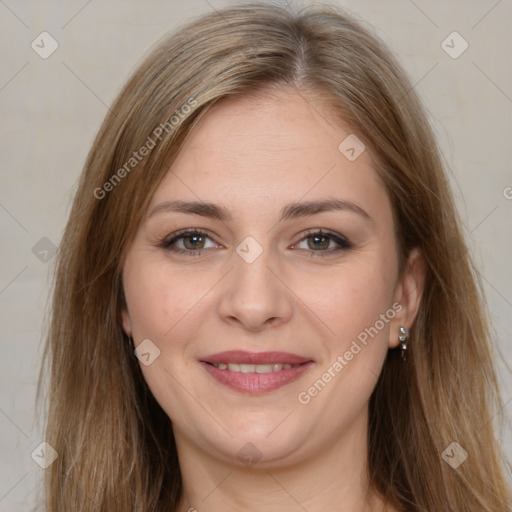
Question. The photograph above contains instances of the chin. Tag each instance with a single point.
(257, 440)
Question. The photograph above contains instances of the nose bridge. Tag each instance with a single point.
(252, 294)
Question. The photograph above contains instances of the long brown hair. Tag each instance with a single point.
(115, 444)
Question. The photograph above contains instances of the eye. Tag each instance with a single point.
(321, 243)
(193, 242)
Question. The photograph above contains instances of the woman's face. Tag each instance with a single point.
(303, 320)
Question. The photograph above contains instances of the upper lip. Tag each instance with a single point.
(245, 357)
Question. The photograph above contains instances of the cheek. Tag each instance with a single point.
(163, 305)
(148, 304)
(357, 296)
(159, 299)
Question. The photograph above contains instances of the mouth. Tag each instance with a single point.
(255, 372)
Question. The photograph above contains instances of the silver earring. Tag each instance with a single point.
(403, 337)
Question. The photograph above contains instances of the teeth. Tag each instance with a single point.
(264, 368)
(254, 368)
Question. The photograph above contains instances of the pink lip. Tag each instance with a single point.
(256, 383)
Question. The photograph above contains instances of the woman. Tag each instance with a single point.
(263, 299)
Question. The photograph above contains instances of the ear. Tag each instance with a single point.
(408, 293)
(127, 323)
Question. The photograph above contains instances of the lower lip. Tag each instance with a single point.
(256, 383)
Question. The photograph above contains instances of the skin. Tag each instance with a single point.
(253, 155)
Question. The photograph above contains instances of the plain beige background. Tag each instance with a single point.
(51, 109)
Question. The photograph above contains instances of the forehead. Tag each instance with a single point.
(276, 126)
(279, 147)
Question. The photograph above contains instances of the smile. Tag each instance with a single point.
(255, 372)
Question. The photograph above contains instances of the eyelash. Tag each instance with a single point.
(342, 242)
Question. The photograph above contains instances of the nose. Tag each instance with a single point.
(254, 294)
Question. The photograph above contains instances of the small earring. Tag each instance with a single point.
(403, 337)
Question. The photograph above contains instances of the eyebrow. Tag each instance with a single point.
(290, 211)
